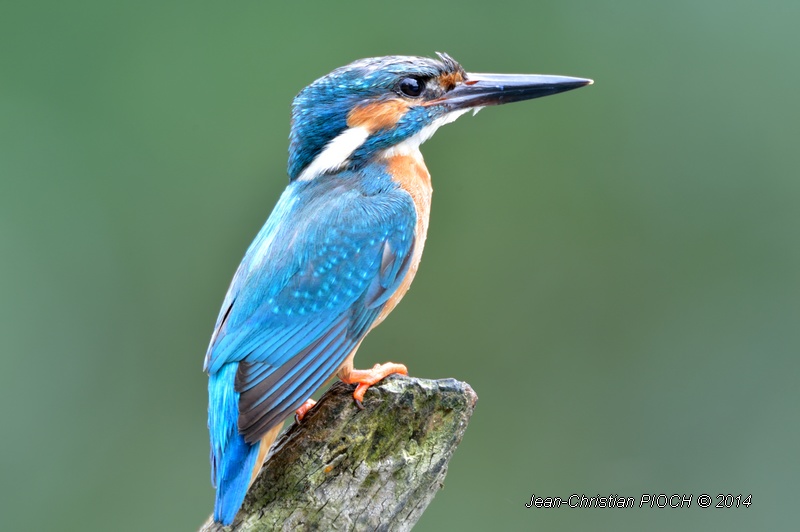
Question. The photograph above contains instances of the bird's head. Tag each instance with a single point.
(385, 105)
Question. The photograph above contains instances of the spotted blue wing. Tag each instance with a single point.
(306, 293)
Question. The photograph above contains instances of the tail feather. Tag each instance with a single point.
(232, 458)
(233, 478)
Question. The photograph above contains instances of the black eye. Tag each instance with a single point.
(412, 86)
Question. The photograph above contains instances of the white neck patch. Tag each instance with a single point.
(335, 154)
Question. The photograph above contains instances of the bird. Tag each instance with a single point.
(339, 250)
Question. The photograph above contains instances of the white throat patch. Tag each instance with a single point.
(411, 145)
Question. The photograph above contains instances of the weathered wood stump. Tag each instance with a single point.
(343, 468)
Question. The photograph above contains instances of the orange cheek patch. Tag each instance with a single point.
(449, 80)
(378, 115)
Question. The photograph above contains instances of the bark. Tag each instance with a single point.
(343, 468)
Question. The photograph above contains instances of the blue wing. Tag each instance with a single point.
(309, 287)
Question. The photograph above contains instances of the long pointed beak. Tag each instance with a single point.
(479, 90)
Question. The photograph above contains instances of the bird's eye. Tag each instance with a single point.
(412, 87)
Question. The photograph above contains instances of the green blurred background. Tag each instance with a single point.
(616, 270)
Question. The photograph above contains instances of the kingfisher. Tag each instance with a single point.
(339, 250)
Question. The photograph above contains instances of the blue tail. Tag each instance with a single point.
(232, 458)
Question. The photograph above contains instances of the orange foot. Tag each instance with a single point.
(367, 377)
(303, 410)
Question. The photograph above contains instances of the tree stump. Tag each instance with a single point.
(343, 468)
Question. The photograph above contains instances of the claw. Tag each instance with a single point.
(370, 377)
(303, 410)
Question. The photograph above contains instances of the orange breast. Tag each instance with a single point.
(410, 173)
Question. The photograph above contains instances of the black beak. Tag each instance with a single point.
(479, 90)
